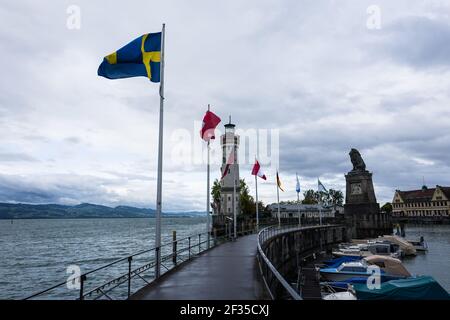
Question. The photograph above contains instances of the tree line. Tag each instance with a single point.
(248, 207)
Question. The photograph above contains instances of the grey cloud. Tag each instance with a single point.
(73, 140)
(310, 69)
(417, 41)
(12, 157)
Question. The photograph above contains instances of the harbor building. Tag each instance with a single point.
(311, 211)
(423, 203)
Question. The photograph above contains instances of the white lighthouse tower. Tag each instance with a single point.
(230, 183)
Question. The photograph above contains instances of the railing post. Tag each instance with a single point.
(82, 279)
(129, 275)
(158, 261)
(215, 236)
(174, 247)
(189, 250)
(199, 240)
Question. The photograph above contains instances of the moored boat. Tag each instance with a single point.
(416, 288)
(345, 295)
(390, 269)
(419, 245)
(406, 247)
(368, 249)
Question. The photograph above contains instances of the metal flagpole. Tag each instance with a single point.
(320, 211)
(298, 207)
(320, 203)
(256, 183)
(208, 218)
(278, 199)
(160, 159)
(257, 213)
(234, 195)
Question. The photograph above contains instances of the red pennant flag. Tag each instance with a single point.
(210, 122)
(256, 171)
(230, 161)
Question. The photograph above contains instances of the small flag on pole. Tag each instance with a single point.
(257, 171)
(140, 58)
(297, 187)
(210, 122)
(321, 187)
(279, 183)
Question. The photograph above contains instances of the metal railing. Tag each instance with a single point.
(272, 278)
(139, 266)
(268, 272)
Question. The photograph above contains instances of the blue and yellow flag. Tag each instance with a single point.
(140, 58)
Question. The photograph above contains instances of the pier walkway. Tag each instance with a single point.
(226, 272)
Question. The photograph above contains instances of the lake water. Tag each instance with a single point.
(35, 254)
(435, 262)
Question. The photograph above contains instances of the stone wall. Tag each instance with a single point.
(287, 250)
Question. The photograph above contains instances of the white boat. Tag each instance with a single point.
(391, 269)
(345, 295)
(419, 245)
(369, 249)
(407, 248)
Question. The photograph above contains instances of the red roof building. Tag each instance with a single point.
(426, 202)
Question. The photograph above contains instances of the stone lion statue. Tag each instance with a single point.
(357, 160)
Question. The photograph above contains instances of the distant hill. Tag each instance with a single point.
(84, 210)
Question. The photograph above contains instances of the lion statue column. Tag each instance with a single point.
(361, 210)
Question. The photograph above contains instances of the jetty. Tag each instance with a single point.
(231, 267)
(252, 267)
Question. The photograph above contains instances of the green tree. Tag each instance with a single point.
(336, 197)
(247, 202)
(215, 191)
(387, 207)
(216, 195)
(310, 197)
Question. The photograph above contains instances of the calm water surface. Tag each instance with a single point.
(436, 262)
(35, 254)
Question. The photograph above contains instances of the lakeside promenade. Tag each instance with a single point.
(228, 271)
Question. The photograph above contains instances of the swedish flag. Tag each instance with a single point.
(140, 58)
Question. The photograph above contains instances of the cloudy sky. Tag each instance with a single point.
(320, 76)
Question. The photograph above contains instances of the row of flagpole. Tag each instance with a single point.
(113, 68)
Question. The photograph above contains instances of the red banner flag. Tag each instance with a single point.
(210, 122)
(256, 171)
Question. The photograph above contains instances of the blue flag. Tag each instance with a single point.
(297, 187)
(320, 187)
(140, 58)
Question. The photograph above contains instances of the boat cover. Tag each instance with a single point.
(418, 288)
(406, 247)
(390, 265)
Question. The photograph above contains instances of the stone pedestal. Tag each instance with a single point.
(361, 210)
